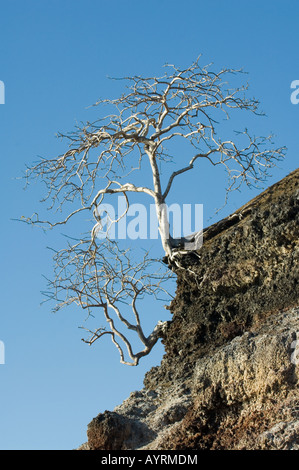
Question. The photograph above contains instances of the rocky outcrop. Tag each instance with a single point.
(229, 376)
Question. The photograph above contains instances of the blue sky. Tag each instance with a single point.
(55, 57)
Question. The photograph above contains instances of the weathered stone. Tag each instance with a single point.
(114, 431)
(228, 379)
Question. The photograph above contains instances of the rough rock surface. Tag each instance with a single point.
(229, 376)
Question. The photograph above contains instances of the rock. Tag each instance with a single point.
(229, 376)
(114, 431)
(108, 431)
(282, 436)
(241, 390)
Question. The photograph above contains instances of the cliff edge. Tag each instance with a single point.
(229, 376)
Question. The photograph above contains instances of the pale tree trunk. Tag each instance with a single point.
(161, 208)
(163, 222)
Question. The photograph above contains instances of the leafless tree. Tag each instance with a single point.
(103, 276)
(103, 159)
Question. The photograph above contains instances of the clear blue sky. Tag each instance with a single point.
(54, 60)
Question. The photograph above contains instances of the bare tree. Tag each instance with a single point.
(104, 158)
(103, 276)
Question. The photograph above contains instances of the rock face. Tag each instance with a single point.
(229, 376)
